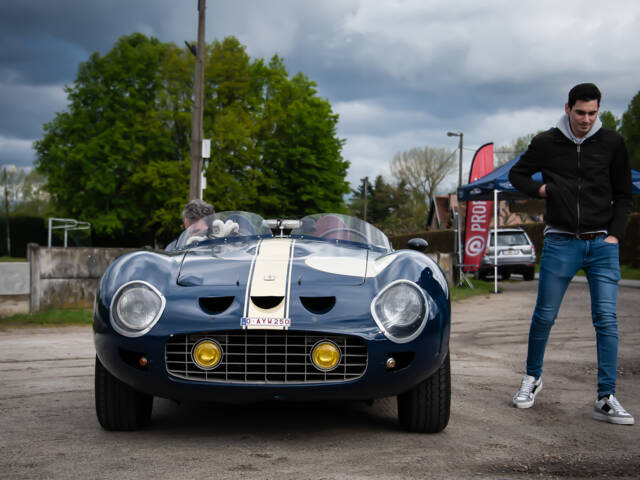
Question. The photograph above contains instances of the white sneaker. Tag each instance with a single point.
(608, 409)
(529, 388)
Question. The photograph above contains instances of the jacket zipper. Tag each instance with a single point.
(579, 189)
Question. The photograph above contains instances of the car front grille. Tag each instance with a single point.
(266, 356)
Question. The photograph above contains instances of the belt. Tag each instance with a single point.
(590, 236)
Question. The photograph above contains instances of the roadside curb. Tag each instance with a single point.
(622, 283)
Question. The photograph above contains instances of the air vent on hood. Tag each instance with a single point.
(266, 303)
(215, 305)
(318, 305)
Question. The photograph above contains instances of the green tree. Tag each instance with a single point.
(384, 201)
(609, 120)
(301, 152)
(119, 155)
(402, 207)
(355, 206)
(380, 201)
(630, 130)
(408, 213)
(390, 207)
(101, 156)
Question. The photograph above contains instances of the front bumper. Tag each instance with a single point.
(512, 262)
(415, 361)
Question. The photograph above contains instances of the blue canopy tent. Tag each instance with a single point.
(496, 186)
(485, 187)
(498, 179)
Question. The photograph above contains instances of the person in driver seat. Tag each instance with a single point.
(193, 212)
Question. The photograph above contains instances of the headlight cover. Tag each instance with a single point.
(135, 308)
(400, 310)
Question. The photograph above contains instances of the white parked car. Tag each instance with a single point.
(516, 254)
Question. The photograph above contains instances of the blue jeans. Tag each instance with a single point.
(562, 257)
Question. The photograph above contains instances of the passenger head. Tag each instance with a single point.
(194, 211)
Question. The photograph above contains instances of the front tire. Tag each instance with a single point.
(426, 407)
(118, 406)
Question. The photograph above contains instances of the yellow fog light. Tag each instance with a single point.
(325, 355)
(207, 354)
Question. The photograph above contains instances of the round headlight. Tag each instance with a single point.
(207, 354)
(135, 308)
(400, 310)
(325, 355)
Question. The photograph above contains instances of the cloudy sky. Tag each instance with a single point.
(399, 73)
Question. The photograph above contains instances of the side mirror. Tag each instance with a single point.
(418, 244)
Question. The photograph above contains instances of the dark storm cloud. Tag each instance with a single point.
(26, 108)
(42, 43)
(400, 74)
(38, 59)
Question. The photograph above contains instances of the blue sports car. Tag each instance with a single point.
(246, 310)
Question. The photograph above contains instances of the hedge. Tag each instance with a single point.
(444, 240)
(23, 230)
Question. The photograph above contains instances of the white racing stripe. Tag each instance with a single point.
(253, 263)
(270, 276)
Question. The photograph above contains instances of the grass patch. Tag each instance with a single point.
(52, 317)
(629, 273)
(626, 272)
(12, 259)
(480, 287)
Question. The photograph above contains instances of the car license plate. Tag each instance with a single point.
(509, 252)
(263, 323)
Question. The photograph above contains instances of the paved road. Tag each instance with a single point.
(48, 427)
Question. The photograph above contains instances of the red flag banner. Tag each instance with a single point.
(478, 212)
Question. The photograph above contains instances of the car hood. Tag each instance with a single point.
(268, 264)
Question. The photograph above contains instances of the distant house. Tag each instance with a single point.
(442, 211)
(510, 212)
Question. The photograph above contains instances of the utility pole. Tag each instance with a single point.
(365, 182)
(196, 123)
(6, 211)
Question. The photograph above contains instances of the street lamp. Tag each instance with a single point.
(458, 134)
(458, 220)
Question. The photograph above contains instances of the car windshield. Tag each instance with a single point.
(334, 226)
(509, 239)
(221, 225)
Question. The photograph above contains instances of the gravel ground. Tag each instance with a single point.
(48, 427)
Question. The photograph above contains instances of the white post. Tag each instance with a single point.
(495, 241)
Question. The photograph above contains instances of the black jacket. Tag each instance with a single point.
(588, 186)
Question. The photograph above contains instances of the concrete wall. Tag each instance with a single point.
(60, 277)
(446, 262)
(14, 288)
(67, 277)
(14, 278)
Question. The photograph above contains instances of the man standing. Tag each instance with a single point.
(587, 186)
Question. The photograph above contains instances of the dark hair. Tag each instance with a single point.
(585, 92)
(196, 209)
